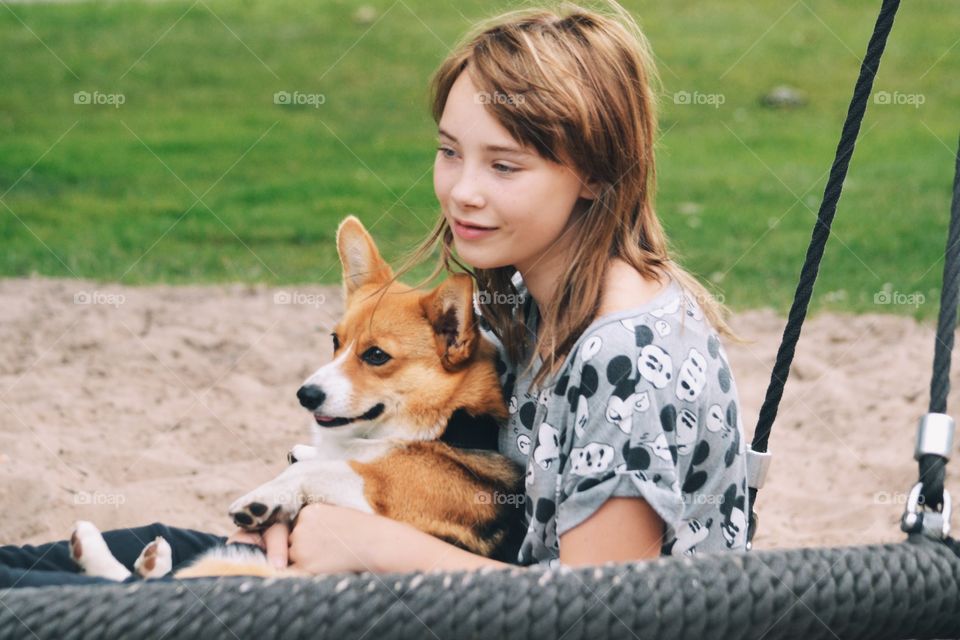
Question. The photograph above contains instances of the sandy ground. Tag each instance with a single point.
(128, 405)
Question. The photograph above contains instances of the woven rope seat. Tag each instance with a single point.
(905, 590)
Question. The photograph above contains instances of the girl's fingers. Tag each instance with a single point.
(246, 537)
(277, 541)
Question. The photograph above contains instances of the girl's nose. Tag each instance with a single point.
(466, 192)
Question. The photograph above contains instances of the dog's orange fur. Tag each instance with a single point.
(449, 493)
(221, 567)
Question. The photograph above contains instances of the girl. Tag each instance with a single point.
(623, 407)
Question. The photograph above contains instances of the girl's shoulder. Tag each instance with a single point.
(669, 324)
(665, 353)
(656, 340)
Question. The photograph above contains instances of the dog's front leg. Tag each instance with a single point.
(331, 482)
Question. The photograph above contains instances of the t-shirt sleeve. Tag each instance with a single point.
(616, 433)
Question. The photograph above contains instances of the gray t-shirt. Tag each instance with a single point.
(640, 408)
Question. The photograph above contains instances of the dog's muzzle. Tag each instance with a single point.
(311, 396)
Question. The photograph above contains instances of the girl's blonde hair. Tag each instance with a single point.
(578, 84)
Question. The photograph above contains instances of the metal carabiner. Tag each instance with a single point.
(933, 524)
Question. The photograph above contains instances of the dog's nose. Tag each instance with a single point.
(311, 396)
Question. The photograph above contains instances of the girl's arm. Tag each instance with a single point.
(329, 539)
(423, 552)
(626, 528)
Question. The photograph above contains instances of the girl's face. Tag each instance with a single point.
(506, 204)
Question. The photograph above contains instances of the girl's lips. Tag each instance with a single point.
(471, 233)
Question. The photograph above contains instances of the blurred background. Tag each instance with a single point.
(222, 141)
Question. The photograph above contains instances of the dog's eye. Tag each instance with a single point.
(336, 341)
(375, 356)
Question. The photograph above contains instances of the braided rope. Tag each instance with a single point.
(821, 231)
(907, 590)
(818, 240)
(933, 467)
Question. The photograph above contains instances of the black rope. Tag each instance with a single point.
(932, 473)
(821, 231)
(932, 467)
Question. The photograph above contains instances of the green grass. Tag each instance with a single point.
(111, 193)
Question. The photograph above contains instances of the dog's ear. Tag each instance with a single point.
(449, 309)
(359, 256)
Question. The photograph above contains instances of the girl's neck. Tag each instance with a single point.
(623, 286)
(541, 281)
(542, 274)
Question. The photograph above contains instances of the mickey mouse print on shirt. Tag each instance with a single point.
(644, 406)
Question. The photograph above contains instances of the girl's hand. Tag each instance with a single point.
(330, 539)
(274, 541)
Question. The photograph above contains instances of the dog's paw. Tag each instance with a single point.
(264, 506)
(301, 452)
(89, 550)
(156, 559)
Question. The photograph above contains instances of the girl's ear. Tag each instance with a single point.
(591, 190)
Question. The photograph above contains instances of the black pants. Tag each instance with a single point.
(49, 564)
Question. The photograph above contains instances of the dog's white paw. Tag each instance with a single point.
(89, 550)
(301, 452)
(156, 559)
(266, 505)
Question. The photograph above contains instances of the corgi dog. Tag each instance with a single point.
(396, 415)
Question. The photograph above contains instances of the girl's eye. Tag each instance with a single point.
(375, 356)
(336, 341)
(444, 152)
(499, 167)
